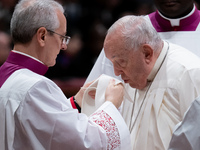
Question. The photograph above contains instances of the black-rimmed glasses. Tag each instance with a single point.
(65, 39)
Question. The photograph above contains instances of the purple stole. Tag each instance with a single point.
(16, 61)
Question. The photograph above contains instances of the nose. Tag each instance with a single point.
(63, 47)
(117, 71)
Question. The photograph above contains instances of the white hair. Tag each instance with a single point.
(30, 15)
(135, 31)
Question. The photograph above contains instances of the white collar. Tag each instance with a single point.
(159, 61)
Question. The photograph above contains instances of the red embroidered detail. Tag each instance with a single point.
(107, 123)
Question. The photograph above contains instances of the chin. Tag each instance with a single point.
(133, 85)
(139, 87)
(51, 64)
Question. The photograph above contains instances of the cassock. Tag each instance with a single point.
(35, 114)
(183, 31)
(187, 133)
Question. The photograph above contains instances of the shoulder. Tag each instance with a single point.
(24, 79)
(182, 60)
(181, 54)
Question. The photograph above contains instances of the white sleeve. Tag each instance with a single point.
(102, 66)
(187, 134)
(189, 88)
(45, 120)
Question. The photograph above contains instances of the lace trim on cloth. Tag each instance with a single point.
(107, 123)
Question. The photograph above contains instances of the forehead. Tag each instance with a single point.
(114, 48)
(62, 20)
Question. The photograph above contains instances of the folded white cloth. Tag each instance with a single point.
(90, 105)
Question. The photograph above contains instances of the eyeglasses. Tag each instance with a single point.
(65, 39)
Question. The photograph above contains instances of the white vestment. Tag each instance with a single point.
(187, 134)
(36, 115)
(162, 104)
(172, 91)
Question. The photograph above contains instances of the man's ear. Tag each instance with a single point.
(41, 36)
(148, 53)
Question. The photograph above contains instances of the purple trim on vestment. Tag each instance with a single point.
(17, 61)
(163, 25)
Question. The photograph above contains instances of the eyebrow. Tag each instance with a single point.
(64, 34)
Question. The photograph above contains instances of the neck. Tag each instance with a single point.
(178, 14)
(175, 21)
(28, 49)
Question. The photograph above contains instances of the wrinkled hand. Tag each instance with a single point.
(114, 93)
(79, 96)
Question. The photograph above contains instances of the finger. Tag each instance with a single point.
(120, 84)
(88, 84)
(92, 94)
(112, 82)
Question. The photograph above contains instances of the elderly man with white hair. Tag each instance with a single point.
(161, 78)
